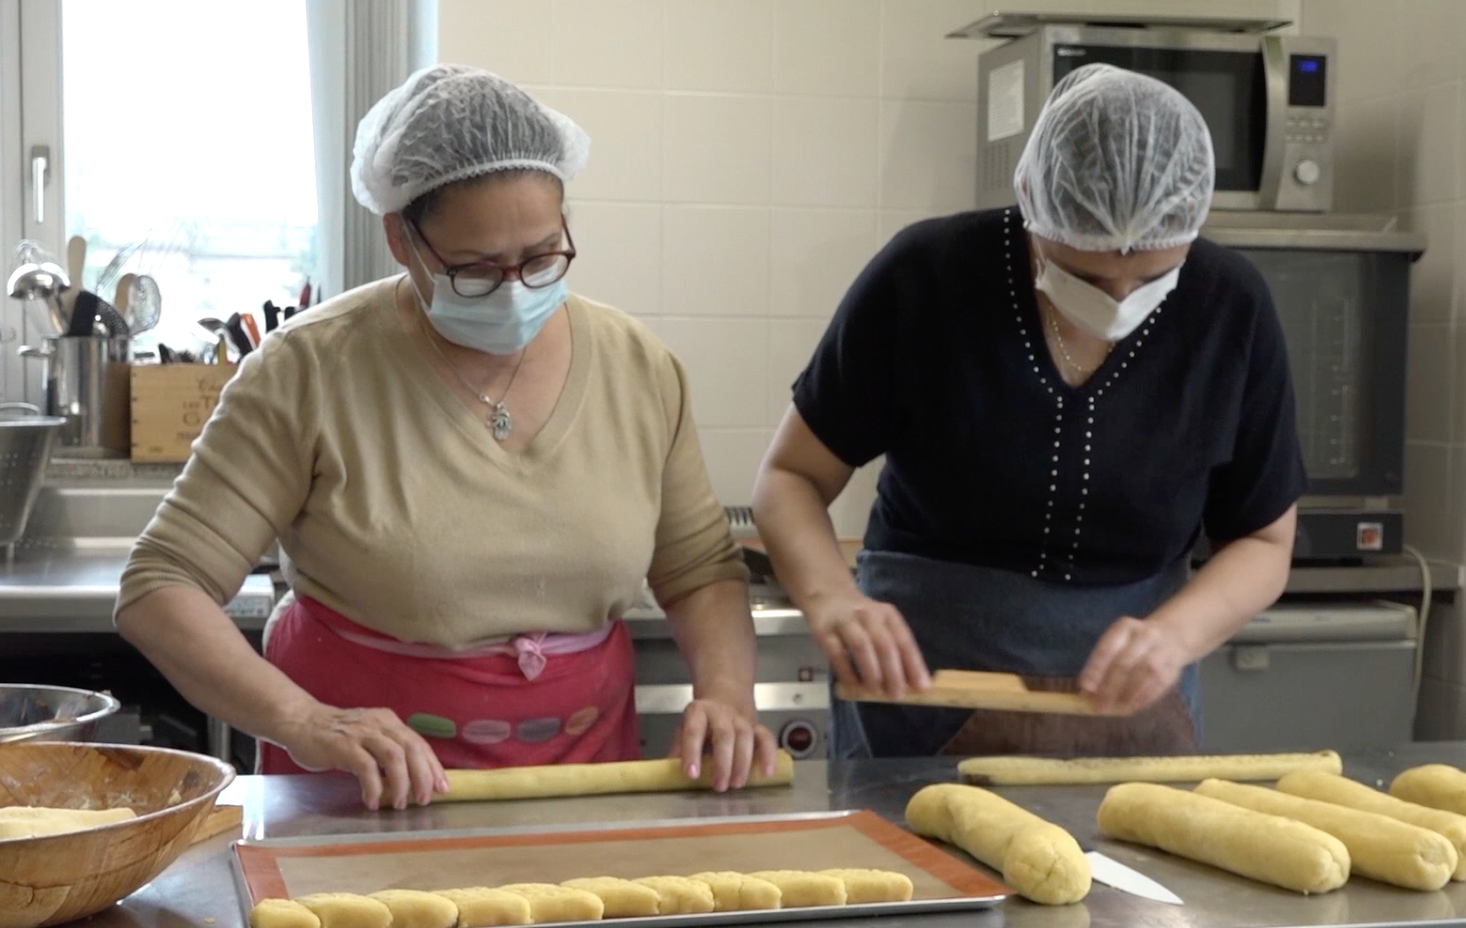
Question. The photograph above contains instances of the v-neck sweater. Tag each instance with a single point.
(397, 508)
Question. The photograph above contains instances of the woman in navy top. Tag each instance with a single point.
(1067, 394)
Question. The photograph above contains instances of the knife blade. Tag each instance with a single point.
(1116, 875)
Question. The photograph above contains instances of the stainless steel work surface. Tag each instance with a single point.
(198, 889)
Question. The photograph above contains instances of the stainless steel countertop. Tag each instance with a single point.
(73, 586)
(198, 890)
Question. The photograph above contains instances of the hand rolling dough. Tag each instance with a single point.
(679, 895)
(551, 903)
(1048, 771)
(1439, 786)
(622, 898)
(1040, 860)
(481, 907)
(414, 909)
(1264, 847)
(631, 776)
(347, 910)
(39, 821)
(1341, 791)
(800, 889)
(282, 913)
(739, 892)
(864, 886)
(1380, 847)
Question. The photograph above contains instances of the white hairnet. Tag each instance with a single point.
(1117, 161)
(450, 122)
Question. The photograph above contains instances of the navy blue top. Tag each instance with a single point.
(936, 359)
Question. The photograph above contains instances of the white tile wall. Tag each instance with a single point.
(749, 157)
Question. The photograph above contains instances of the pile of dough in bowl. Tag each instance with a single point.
(588, 899)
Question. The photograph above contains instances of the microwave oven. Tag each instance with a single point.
(1267, 99)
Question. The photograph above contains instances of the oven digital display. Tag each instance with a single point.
(1307, 78)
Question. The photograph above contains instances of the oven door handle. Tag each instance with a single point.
(672, 698)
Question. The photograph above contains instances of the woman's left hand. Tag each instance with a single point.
(717, 731)
(1133, 665)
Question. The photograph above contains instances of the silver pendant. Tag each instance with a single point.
(501, 422)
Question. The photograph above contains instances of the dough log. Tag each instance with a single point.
(1380, 847)
(1191, 768)
(633, 776)
(739, 892)
(679, 895)
(1040, 860)
(347, 910)
(1263, 847)
(803, 888)
(282, 913)
(39, 821)
(864, 886)
(1439, 786)
(622, 898)
(412, 908)
(551, 903)
(1341, 791)
(481, 907)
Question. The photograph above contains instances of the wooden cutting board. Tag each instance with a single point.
(973, 689)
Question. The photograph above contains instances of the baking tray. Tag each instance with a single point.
(942, 882)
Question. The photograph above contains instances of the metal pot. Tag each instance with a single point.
(88, 384)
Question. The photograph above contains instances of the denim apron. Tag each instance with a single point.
(980, 618)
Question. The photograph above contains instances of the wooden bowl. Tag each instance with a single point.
(54, 879)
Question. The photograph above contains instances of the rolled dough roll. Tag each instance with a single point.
(282, 913)
(412, 908)
(347, 910)
(40, 821)
(481, 907)
(1048, 771)
(1380, 847)
(551, 903)
(864, 886)
(739, 892)
(1341, 791)
(800, 889)
(622, 898)
(1439, 786)
(1040, 860)
(1263, 847)
(631, 776)
(679, 895)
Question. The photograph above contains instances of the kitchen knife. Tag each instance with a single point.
(1112, 873)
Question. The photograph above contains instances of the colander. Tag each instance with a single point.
(25, 447)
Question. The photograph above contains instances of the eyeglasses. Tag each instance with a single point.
(480, 278)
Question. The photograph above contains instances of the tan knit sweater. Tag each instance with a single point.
(399, 510)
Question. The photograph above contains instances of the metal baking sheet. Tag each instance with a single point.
(293, 867)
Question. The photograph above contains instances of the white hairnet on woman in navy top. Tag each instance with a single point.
(1117, 161)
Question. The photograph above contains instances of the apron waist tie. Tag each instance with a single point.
(531, 650)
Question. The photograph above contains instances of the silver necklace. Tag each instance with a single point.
(1064, 350)
(500, 422)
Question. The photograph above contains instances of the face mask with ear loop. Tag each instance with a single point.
(1094, 310)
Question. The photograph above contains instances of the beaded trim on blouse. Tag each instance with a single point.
(1062, 564)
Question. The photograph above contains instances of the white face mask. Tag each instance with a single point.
(1094, 310)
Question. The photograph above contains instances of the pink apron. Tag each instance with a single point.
(536, 699)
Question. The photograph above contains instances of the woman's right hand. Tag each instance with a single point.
(868, 643)
(391, 761)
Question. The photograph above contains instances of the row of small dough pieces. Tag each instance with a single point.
(1307, 836)
(584, 900)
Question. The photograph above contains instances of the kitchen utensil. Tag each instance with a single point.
(87, 384)
(1112, 873)
(238, 336)
(25, 448)
(123, 297)
(114, 267)
(970, 689)
(51, 713)
(92, 315)
(76, 263)
(272, 316)
(44, 281)
(59, 878)
(289, 867)
(146, 302)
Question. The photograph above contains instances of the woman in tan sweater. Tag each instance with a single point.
(471, 471)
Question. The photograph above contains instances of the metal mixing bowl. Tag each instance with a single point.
(51, 713)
